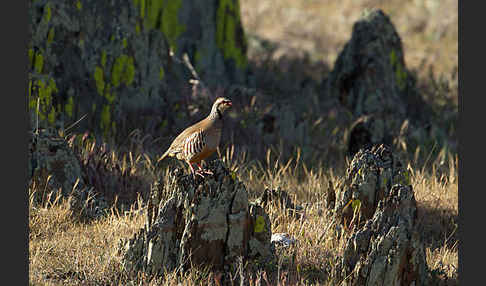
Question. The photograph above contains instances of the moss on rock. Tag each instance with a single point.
(115, 57)
(123, 71)
(229, 36)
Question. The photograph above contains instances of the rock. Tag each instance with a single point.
(261, 234)
(376, 214)
(371, 80)
(282, 239)
(387, 250)
(360, 135)
(369, 178)
(205, 222)
(112, 60)
(51, 156)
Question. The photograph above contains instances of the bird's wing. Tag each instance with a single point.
(177, 145)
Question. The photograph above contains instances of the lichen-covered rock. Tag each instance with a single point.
(51, 157)
(205, 222)
(370, 79)
(387, 250)
(369, 178)
(54, 166)
(112, 60)
(260, 230)
(376, 214)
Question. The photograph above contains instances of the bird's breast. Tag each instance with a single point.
(213, 137)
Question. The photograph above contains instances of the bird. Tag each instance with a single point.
(199, 141)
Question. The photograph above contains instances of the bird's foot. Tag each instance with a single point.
(202, 172)
(199, 173)
(207, 172)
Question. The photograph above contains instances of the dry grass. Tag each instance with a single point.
(428, 28)
(64, 250)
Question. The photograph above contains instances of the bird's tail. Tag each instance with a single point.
(163, 156)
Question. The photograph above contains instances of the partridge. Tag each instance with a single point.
(200, 140)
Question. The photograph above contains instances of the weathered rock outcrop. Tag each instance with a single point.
(388, 250)
(54, 166)
(112, 60)
(205, 222)
(50, 156)
(376, 208)
(370, 78)
(369, 177)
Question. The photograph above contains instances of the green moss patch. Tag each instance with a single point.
(38, 62)
(44, 94)
(170, 25)
(400, 72)
(99, 79)
(47, 13)
(105, 122)
(161, 15)
(123, 71)
(228, 19)
(69, 107)
(50, 36)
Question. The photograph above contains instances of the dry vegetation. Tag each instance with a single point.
(64, 250)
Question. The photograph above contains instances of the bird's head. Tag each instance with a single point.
(221, 104)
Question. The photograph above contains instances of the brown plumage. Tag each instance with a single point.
(200, 140)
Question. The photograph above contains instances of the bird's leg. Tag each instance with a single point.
(194, 173)
(204, 171)
(200, 171)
